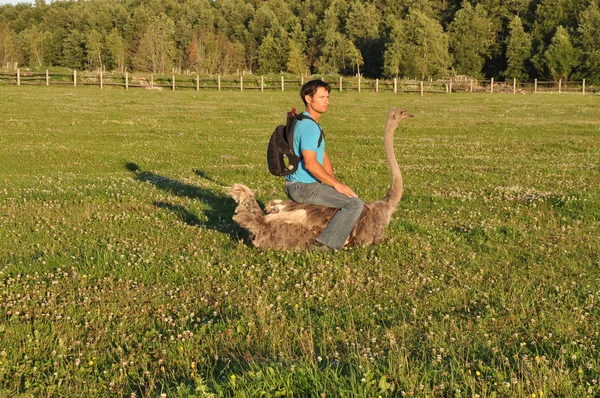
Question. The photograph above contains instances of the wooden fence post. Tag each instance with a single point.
(583, 87)
(421, 88)
(492, 86)
(282, 84)
(359, 83)
(376, 85)
(535, 86)
(18, 76)
(219, 82)
(47, 78)
(173, 82)
(262, 84)
(74, 78)
(559, 85)
(340, 84)
(197, 82)
(101, 82)
(450, 88)
(152, 80)
(242, 83)
(126, 80)
(395, 85)
(514, 85)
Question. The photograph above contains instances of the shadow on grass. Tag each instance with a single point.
(205, 176)
(218, 217)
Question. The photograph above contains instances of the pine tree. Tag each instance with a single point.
(73, 50)
(333, 49)
(271, 55)
(418, 48)
(156, 46)
(116, 48)
(296, 62)
(353, 57)
(363, 27)
(518, 51)
(589, 32)
(470, 37)
(561, 56)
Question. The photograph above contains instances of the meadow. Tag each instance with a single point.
(123, 275)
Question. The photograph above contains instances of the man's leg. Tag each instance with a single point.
(339, 228)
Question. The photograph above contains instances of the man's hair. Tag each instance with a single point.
(311, 87)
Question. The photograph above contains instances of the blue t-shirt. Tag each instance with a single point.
(306, 138)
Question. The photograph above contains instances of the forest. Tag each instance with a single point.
(422, 39)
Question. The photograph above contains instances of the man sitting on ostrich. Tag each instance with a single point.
(288, 225)
(314, 181)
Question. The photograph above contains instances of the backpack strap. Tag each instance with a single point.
(302, 116)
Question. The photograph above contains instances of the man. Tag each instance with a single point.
(314, 182)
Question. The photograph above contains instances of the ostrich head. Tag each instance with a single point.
(394, 117)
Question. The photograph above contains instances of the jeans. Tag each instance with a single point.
(339, 228)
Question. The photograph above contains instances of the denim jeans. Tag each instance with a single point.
(337, 231)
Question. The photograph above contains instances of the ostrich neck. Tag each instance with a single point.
(395, 193)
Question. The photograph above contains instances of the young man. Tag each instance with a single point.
(314, 182)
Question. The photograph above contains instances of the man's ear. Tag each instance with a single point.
(308, 99)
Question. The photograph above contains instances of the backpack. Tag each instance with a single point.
(280, 153)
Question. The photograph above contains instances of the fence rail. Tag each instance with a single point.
(262, 83)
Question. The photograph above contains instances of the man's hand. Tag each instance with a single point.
(324, 175)
(345, 189)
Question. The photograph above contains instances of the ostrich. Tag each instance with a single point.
(291, 226)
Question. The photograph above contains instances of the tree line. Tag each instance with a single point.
(422, 39)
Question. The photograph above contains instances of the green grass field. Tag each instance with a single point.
(122, 273)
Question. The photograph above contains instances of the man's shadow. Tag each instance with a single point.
(218, 217)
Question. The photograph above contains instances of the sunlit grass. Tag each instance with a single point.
(123, 274)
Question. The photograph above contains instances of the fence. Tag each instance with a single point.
(516, 87)
(262, 83)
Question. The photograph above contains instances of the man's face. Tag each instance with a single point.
(318, 102)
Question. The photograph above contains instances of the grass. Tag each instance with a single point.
(122, 273)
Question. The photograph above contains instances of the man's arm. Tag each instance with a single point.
(322, 174)
(327, 164)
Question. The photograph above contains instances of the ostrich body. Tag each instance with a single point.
(288, 225)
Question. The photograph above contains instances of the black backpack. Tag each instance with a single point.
(280, 154)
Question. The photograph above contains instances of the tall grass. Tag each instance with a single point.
(122, 273)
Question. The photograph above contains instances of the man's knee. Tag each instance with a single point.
(355, 204)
